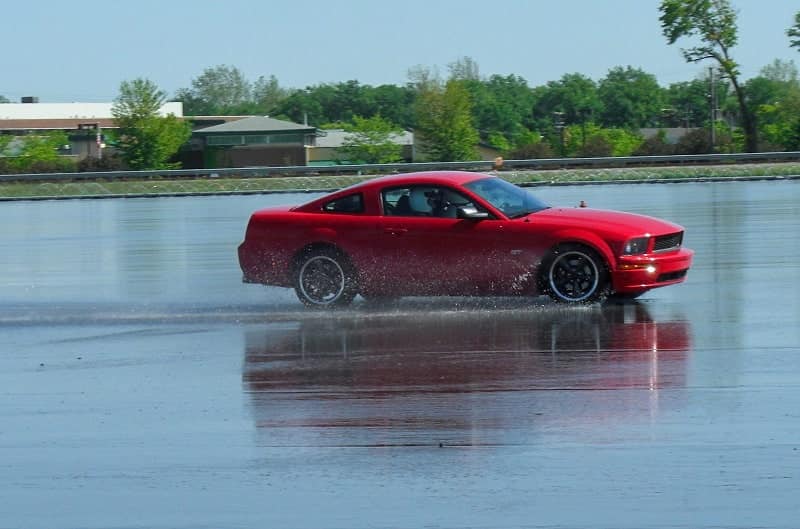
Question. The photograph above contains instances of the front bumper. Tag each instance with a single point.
(637, 273)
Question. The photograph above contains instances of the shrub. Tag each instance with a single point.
(655, 146)
(531, 151)
(695, 141)
(19, 165)
(109, 162)
(596, 147)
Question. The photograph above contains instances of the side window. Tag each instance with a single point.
(396, 202)
(348, 204)
(423, 201)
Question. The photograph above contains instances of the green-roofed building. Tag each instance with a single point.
(249, 142)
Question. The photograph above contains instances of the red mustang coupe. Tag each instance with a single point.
(456, 233)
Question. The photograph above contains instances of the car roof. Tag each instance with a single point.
(427, 177)
(456, 178)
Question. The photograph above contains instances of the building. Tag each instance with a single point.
(328, 147)
(82, 122)
(252, 141)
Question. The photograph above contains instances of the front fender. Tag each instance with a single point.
(589, 239)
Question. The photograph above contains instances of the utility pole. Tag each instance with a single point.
(713, 105)
(99, 141)
(558, 124)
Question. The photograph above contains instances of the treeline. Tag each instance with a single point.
(455, 113)
(572, 116)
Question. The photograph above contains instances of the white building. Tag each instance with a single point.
(83, 122)
(83, 111)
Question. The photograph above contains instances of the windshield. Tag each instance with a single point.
(513, 201)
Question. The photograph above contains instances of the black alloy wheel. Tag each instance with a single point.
(575, 274)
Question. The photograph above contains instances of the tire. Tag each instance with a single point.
(324, 279)
(574, 273)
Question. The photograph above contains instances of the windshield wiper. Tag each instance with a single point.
(520, 215)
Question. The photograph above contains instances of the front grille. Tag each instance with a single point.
(668, 242)
(672, 276)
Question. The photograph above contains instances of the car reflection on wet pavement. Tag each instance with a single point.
(459, 378)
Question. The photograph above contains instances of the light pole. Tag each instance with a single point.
(558, 124)
(713, 109)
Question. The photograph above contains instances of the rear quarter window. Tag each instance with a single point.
(347, 204)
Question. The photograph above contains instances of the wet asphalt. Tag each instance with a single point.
(142, 385)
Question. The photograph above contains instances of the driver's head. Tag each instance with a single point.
(418, 200)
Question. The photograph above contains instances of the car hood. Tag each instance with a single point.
(616, 221)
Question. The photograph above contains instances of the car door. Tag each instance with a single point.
(429, 250)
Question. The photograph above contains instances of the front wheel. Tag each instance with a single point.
(575, 274)
(325, 278)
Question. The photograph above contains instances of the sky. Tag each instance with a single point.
(82, 51)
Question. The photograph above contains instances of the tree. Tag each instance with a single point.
(714, 23)
(5, 141)
(780, 123)
(631, 98)
(772, 95)
(34, 153)
(301, 105)
(686, 103)
(444, 122)
(340, 102)
(501, 108)
(591, 140)
(794, 32)
(464, 69)
(422, 77)
(775, 94)
(4, 99)
(395, 104)
(43, 147)
(772, 84)
(267, 94)
(780, 71)
(219, 90)
(575, 95)
(370, 141)
(146, 139)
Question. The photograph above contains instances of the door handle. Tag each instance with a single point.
(395, 231)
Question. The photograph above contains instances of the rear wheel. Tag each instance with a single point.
(574, 273)
(325, 278)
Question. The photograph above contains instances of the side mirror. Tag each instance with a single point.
(471, 212)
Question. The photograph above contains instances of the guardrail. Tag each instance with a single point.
(533, 165)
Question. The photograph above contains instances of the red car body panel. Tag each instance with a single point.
(409, 256)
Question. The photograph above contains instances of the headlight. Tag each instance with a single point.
(635, 246)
